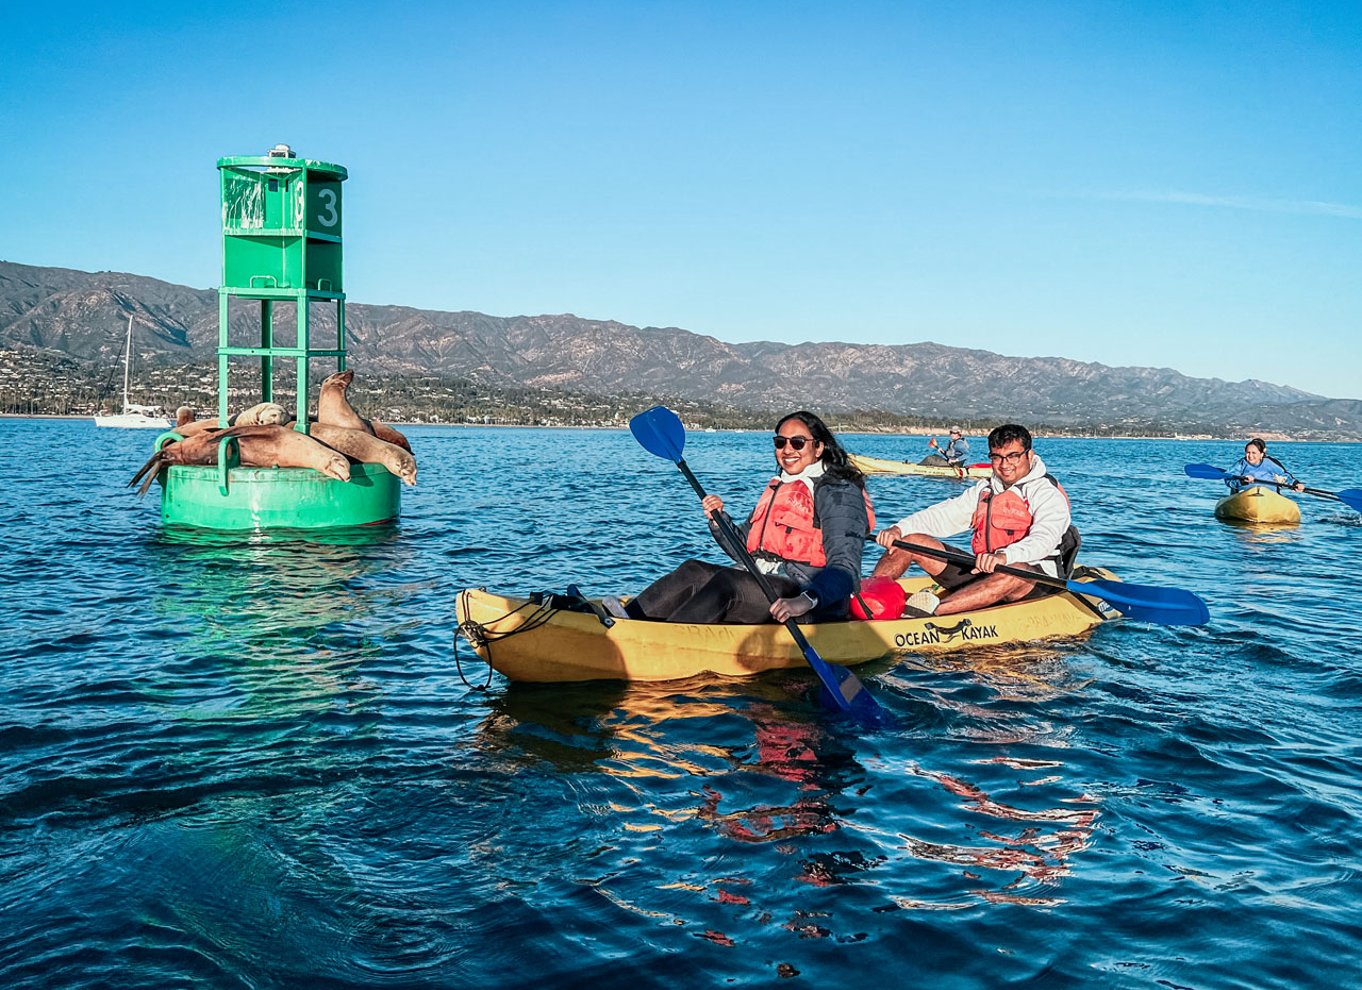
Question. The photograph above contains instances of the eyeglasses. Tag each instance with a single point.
(1011, 458)
(796, 442)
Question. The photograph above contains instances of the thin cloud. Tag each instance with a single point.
(1256, 204)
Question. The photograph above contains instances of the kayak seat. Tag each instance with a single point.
(1069, 545)
(572, 601)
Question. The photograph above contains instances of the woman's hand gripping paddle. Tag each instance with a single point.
(1166, 606)
(660, 432)
(1351, 497)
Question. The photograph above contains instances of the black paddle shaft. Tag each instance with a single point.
(965, 560)
(736, 541)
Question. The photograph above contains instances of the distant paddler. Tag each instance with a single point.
(952, 455)
(1257, 468)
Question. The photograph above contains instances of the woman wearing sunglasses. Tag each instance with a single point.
(807, 534)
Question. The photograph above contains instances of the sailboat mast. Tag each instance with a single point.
(127, 363)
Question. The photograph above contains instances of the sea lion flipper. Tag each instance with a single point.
(153, 459)
(151, 476)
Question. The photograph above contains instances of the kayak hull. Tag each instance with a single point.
(878, 465)
(1258, 505)
(534, 643)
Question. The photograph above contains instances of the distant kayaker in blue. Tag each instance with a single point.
(951, 455)
(1256, 468)
(807, 535)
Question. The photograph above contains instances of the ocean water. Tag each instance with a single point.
(235, 761)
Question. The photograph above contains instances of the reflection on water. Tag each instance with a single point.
(350, 536)
(799, 754)
(1036, 853)
(283, 617)
(1262, 532)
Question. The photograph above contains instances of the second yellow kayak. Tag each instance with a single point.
(1258, 505)
(879, 465)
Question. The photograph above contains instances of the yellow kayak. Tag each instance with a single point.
(525, 640)
(878, 465)
(1260, 505)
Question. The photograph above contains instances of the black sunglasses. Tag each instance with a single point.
(796, 442)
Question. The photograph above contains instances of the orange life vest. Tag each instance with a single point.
(1005, 518)
(785, 524)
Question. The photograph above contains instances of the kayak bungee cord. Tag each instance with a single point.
(479, 636)
(544, 604)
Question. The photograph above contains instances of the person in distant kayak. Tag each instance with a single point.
(807, 535)
(1257, 468)
(1019, 517)
(951, 455)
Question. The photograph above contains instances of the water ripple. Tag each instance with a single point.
(252, 762)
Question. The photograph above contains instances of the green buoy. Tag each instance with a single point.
(281, 245)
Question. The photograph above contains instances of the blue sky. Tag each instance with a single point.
(1167, 184)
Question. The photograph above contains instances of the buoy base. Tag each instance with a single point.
(253, 498)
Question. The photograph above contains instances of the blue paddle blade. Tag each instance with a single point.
(1351, 497)
(659, 431)
(1204, 471)
(843, 690)
(1166, 606)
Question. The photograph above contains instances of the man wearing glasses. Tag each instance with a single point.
(1019, 516)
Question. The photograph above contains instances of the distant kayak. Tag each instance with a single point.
(877, 465)
(526, 640)
(1260, 505)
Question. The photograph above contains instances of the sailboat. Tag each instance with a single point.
(133, 415)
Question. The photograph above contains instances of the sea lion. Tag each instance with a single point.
(270, 445)
(334, 409)
(261, 414)
(368, 450)
(385, 432)
(194, 428)
(257, 446)
(202, 448)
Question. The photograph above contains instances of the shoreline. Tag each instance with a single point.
(1272, 437)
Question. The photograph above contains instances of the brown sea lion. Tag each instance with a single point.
(334, 409)
(257, 446)
(201, 448)
(194, 428)
(385, 432)
(261, 414)
(271, 445)
(368, 449)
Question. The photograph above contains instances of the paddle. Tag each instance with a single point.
(1351, 497)
(1166, 606)
(660, 432)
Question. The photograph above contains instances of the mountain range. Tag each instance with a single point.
(83, 316)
